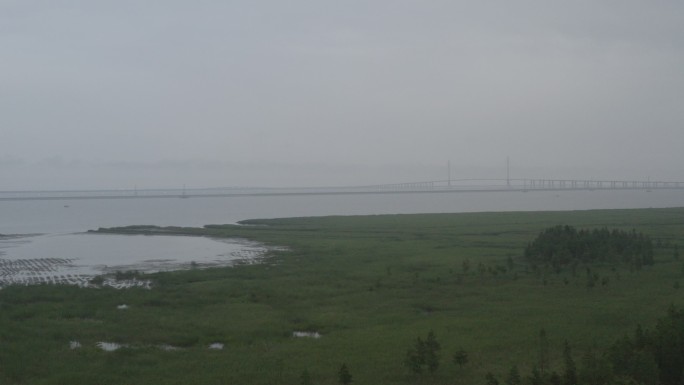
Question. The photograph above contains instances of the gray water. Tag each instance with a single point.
(48, 237)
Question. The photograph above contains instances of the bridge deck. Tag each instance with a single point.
(444, 186)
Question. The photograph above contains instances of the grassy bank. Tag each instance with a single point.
(370, 285)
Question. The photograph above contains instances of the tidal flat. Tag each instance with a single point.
(77, 258)
(369, 286)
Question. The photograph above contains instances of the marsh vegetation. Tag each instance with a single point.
(376, 289)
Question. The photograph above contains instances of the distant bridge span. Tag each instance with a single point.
(479, 185)
(441, 186)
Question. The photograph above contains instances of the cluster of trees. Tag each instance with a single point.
(541, 375)
(647, 357)
(653, 357)
(344, 377)
(424, 355)
(560, 246)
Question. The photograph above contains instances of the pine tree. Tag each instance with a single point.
(490, 379)
(513, 376)
(305, 378)
(344, 376)
(415, 357)
(535, 378)
(423, 353)
(432, 348)
(460, 358)
(466, 266)
(570, 373)
(543, 351)
(594, 370)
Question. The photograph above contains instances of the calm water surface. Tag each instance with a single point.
(56, 227)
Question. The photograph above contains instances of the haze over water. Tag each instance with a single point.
(69, 216)
(52, 240)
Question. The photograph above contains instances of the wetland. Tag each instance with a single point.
(369, 286)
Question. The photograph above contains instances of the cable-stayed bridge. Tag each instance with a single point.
(440, 186)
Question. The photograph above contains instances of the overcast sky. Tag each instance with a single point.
(99, 94)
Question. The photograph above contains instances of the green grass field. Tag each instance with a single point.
(370, 285)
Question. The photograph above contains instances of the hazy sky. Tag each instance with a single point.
(224, 93)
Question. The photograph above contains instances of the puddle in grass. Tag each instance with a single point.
(306, 334)
(109, 346)
(76, 258)
(113, 346)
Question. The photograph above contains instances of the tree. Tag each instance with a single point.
(632, 361)
(423, 354)
(570, 373)
(490, 379)
(305, 377)
(594, 370)
(535, 378)
(543, 351)
(344, 376)
(513, 376)
(561, 246)
(432, 348)
(510, 263)
(460, 358)
(555, 379)
(466, 266)
(655, 356)
(415, 357)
